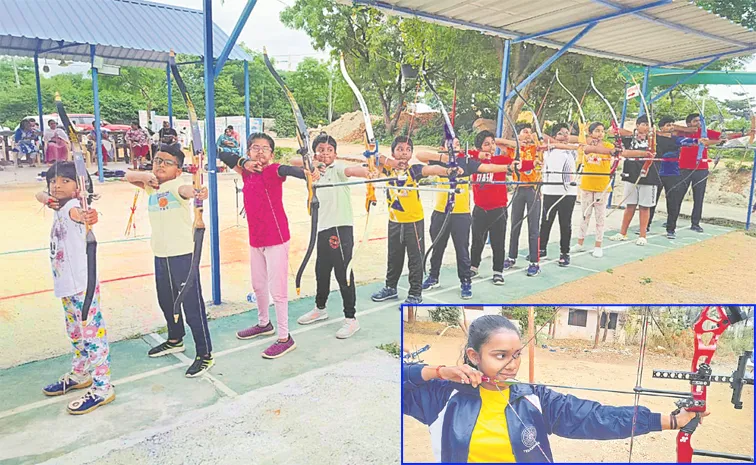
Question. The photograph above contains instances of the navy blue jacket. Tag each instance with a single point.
(451, 411)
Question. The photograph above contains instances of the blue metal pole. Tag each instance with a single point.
(552, 59)
(39, 102)
(170, 94)
(246, 99)
(622, 125)
(595, 19)
(750, 198)
(98, 132)
(503, 90)
(234, 36)
(212, 176)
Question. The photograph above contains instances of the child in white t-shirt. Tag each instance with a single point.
(72, 259)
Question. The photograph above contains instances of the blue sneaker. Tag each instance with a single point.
(465, 290)
(68, 382)
(509, 263)
(533, 269)
(384, 294)
(90, 402)
(430, 282)
(413, 300)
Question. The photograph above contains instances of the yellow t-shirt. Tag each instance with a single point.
(171, 221)
(489, 442)
(461, 200)
(596, 163)
(404, 206)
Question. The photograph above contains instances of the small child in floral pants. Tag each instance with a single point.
(90, 367)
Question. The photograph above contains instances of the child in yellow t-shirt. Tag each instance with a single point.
(594, 189)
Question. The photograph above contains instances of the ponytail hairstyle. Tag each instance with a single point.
(480, 331)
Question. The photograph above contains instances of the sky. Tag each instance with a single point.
(289, 46)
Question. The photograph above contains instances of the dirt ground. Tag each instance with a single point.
(726, 429)
(694, 274)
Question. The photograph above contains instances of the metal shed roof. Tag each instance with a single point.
(125, 32)
(671, 32)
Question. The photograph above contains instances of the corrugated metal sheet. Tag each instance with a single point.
(125, 32)
(669, 33)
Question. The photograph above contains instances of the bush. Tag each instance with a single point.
(448, 315)
(392, 348)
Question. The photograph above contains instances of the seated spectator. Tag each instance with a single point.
(56, 143)
(227, 142)
(167, 134)
(26, 142)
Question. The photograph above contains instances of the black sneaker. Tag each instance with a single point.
(166, 348)
(564, 259)
(498, 279)
(473, 271)
(201, 365)
(671, 235)
(541, 254)
(696, 228)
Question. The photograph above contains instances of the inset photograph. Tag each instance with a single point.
(496, 384)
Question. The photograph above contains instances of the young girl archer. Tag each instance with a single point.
(477, 413)
(91, 363)
(269, 237)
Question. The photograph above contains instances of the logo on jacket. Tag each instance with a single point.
(529, 438)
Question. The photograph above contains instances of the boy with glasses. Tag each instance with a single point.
(172, 242)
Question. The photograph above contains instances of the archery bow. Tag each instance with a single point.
(651, 137)
(618, 147)
(83, 181)
(566, 181)
(710, 325)
(197, 150)
(753, 127)
(305, 150)
(452, 165)
(581, 141)
(371, 150)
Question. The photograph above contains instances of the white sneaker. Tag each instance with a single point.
(577, 248)
(316, 314)
(350, 326)
(598, 252)
(618, 237)
(641, 241)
